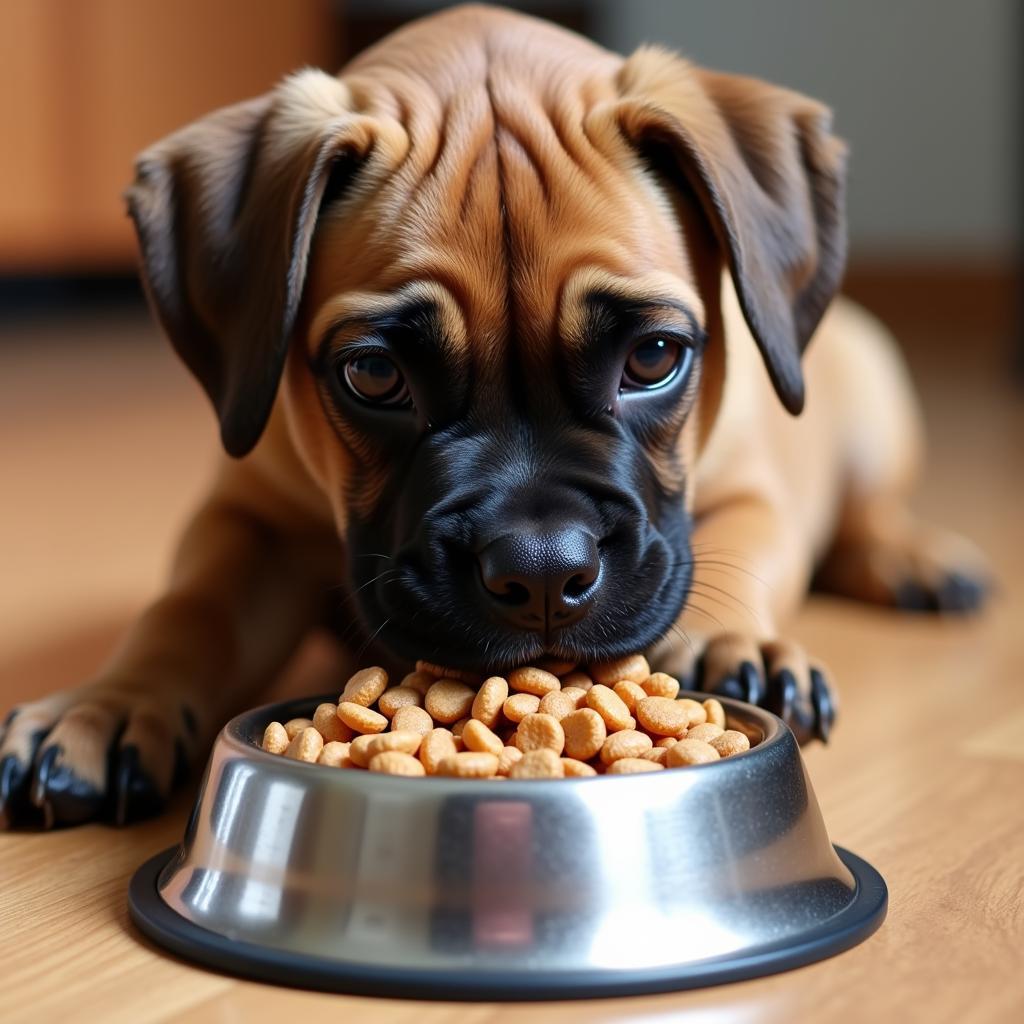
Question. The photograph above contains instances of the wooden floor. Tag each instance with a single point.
(102, 448)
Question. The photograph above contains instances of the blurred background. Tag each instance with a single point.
(105, 442)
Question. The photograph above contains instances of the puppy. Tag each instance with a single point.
(504, 333)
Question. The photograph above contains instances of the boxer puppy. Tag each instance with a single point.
(504, 334)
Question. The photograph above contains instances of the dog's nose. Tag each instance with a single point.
(541, 581)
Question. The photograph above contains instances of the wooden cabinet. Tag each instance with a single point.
(86, 84)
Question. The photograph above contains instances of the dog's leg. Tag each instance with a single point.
(725, 641)
(882, 552)
(243, 592)
(885, 555)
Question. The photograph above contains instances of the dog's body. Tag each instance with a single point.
(525, 222)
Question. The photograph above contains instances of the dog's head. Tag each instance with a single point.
(485, 263)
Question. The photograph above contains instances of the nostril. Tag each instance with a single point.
(578, 585)
(508, 591)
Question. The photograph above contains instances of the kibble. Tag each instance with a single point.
(444, 672)
(480, 738)
(610, 706)
(698, 716)
(305, 746)
(412, 719)
(585, 733)
(706, 732)
(690, 752)
(488, 702)
(538, 764)
(275, 738)
(715, 712)
(533, 680)
(448, 700)
(625, 744)
(330, 726)
(576, 694)
(633, 766)
(630, 693)
(418, 681)
(470, 764)
(660, 685)
(293, 727)
(392, 701)
(360, 718)
(435, 748)
(662, 716)
(578, 681)
(558, 704)
(519, 705)
(540, 732)
(730, 742)
(507, 758)
(549, 720)
(633, 667)
(394, 762)
(359, 750)
(556, 667)
(365, 687)
(403, 742)
(335, 755)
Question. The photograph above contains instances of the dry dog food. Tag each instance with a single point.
(548, 721)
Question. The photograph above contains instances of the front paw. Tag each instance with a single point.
(776, 675)
(97, 753)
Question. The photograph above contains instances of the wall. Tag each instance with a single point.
(925, 92)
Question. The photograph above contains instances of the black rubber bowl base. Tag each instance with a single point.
(156, 920)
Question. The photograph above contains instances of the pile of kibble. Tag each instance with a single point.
(547, 721)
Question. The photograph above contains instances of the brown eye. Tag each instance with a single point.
(374, 378)
(653, 362)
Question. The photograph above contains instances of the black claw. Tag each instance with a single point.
(753, 684)
(802, 720)
(824, 706)
(730, 686)
(136, 795)
(958, 593)
(961, 593)
(782, 694)
(16, 784)
(698, 677)
(913, 597)
(13, 790)
(63, 797)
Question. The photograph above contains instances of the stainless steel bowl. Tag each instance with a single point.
(359, 882)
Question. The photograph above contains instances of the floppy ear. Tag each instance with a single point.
(770, 178)
(225, 210)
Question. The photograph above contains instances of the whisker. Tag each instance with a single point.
(363, 586)
(704, 586)
(363, 649)
(690, 606)
(685, 638)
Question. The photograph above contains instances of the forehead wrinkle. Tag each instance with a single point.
(574, 299)
(370, 306)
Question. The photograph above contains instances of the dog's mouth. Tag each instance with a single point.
(492, 548)
(411, 611)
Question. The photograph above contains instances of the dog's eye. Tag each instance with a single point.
(374, 378)
(653, 362)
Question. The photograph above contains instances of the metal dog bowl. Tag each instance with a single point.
(470, 889)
